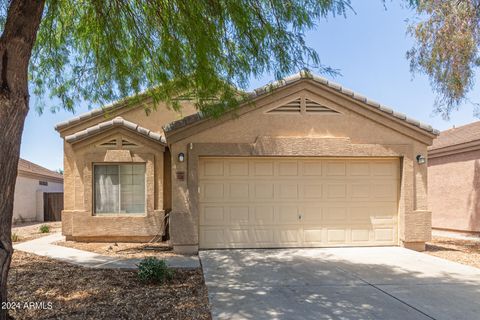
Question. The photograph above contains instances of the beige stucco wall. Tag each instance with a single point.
(356, 132)
(78, 221)
(454, 191)
(28, 202)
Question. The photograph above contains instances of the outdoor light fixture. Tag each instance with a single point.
(421, 159)
(181, 157)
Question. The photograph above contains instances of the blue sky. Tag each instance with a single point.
(368, 47)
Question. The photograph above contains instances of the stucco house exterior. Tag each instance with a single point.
(303, 163)
(32, 182)
(454, 179)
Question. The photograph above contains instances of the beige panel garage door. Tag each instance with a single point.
(293, 202)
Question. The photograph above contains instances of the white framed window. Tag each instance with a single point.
(119, 188)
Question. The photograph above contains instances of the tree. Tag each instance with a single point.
(446, 49)
(100, 51)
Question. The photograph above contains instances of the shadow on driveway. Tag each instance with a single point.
(339, 283)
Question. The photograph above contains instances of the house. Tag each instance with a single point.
(303, 163)
(33, 183)
(454, 179)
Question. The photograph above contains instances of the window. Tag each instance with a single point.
(119, 189)
(43, 183)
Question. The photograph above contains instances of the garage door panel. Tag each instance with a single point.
(238, 168)
(212, 191)
(287, 191)
(287, 236)
(279, 202)
(288, 168)
(264, 191)
(239, 215)
(264, 215)
(287, 215)
(312, 191)
(213, 215)
(311, 214)
(336, 191)
(312, 168)
(239, 191)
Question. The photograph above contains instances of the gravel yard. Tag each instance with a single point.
(80, 293)
(31, 230)
(461, 251)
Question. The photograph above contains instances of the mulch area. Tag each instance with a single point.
(80, 293)
(123, 250)
(31, 230)
(461, 251)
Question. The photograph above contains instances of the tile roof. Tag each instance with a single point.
(456, 136)
(307, 75)
(100, 111)
(116, 122)
(25, 166)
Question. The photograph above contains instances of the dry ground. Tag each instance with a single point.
(81, 293)
(122, 250)
(461, 251)
(30, 230)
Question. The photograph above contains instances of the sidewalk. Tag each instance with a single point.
(44, 247)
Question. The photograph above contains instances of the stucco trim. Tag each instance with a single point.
(454, 149)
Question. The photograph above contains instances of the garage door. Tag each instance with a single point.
(297, 202)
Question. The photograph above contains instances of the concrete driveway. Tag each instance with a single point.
(339, 283)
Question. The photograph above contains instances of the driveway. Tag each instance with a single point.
(339, 283)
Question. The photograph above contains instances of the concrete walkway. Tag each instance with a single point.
(45, 247)
(339, 283)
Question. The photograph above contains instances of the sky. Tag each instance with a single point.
(368, 48)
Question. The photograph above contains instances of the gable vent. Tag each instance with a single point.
(127, 143)
(313, 107)
(111, 143)
(291, 107)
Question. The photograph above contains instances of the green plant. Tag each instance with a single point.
(15, 237)
(44, 228)
(153, 270)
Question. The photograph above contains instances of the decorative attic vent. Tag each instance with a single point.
(313, 107)
(111, 143)
(127, 143)
(291, 107)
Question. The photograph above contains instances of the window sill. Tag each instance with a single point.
(133, 215)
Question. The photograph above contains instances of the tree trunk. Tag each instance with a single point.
(16, 43)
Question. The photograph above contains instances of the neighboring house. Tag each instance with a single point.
(454, 179)
(33, 182)
(304, 163)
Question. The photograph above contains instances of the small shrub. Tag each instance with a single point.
(153, 270)
(44, 228)
(15, 237)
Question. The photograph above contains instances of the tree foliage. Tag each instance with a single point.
(446, 49)
(101, 51)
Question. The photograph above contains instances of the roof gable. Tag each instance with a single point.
(117, 122)
(360, 100)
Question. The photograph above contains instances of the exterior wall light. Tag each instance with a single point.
(421, 159)
(181, 157)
